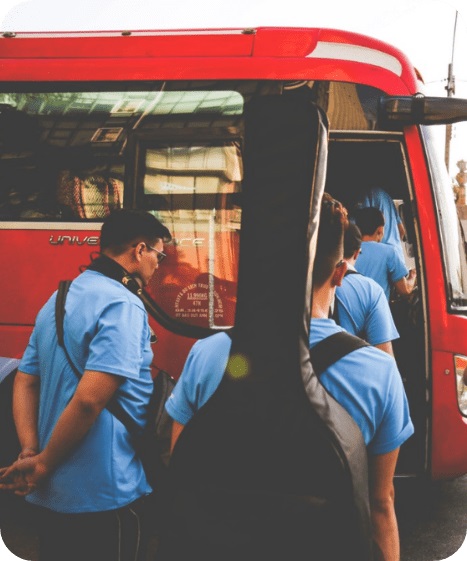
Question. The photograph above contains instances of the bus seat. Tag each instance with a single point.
(90, 196)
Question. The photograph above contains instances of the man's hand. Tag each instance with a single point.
(27, 453)
(24, 475)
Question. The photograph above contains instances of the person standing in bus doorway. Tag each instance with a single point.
(360, 306)
(394, 231)
(378, 260)
(78, 465)
(365, 382)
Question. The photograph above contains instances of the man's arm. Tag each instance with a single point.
(405, 285)
(402, 232)
(25, 411)
(176, 431)
(94, 391)
(386, 347)
(383, 516)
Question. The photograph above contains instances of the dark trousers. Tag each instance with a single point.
(115, 535)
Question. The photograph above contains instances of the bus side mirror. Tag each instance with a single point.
(420, 110)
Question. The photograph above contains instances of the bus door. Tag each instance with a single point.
(399, 154)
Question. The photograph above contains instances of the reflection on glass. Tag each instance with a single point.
(451, 228)
(194, 190)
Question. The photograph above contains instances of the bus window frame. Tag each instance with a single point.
(439, 177)
(138, 143)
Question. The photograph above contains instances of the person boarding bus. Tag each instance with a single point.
(361, 306)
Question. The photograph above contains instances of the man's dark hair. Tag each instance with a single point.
(121, 227)
(368, 219)
(332, 224)
(352, 240)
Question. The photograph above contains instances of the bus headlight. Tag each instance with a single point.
(461, 381)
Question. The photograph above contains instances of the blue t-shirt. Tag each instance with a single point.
(378, 198)
(363, 310)
(382, 263)
(106, 329)
(366, 383)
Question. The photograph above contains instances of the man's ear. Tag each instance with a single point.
(138, 251)
(339, 273)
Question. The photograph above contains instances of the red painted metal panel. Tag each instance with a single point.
(264, 53)
(449, 427)
(201, 69)
(118, 45)
(42, 266)
(446, 331)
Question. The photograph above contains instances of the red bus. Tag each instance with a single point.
(155, 120)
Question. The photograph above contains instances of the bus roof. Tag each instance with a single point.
(285, 53)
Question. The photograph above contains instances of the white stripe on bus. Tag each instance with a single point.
(344, 51)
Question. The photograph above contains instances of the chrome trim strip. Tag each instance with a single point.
(130, 33)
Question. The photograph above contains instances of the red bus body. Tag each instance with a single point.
(36, 254)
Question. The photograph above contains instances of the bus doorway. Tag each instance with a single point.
(356, 164)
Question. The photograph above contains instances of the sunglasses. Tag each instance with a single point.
(160, 255)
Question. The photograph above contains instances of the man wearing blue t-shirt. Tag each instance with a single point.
(378, 260)
(78, 465)
(394, 230)
(361, 306)
(365, 382)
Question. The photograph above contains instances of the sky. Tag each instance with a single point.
(423, 29)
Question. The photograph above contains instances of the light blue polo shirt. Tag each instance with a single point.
(382, 263)
(106, 329)
(378, 198)
(363, 310)
(366, 383)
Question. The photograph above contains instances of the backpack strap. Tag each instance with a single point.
(331, 349)
(351, 272)
(63, 287)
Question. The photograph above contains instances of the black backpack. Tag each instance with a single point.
(272, 468)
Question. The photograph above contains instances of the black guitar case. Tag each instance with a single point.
(272, 468)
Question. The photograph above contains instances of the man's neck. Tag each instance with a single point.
(322, 300)
(351, 263)
(373, 238)
(122, 259)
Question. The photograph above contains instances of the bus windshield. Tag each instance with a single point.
(452, 228)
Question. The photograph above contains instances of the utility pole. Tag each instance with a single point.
(451, 89)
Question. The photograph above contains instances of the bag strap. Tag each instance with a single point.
(63, 287)
(331, 349)
(113, 406)
(351, 272)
